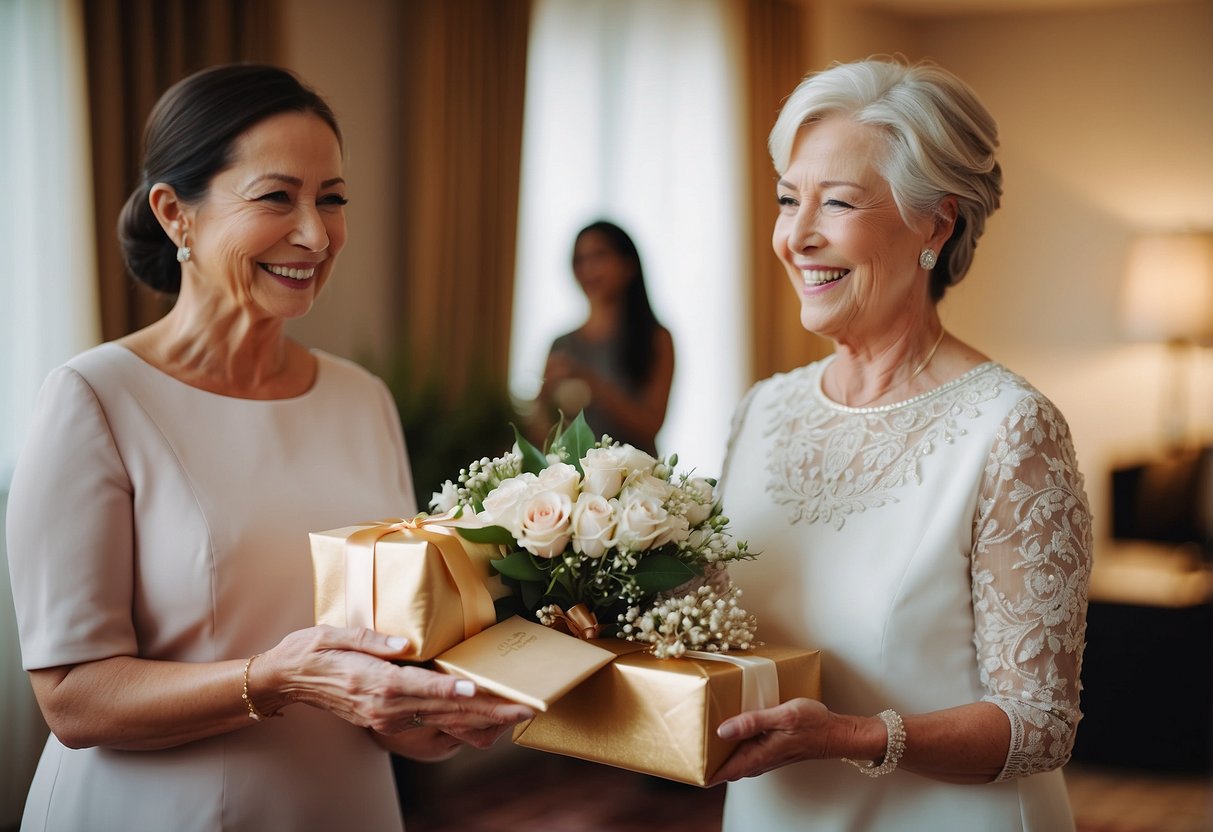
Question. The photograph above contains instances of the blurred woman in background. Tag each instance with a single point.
(618, 366)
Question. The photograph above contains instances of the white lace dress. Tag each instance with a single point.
(937, 552)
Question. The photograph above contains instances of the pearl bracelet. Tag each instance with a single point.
(894, 748)
(253, 713)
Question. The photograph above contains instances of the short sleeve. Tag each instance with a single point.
(69, 532)
(1030, 570)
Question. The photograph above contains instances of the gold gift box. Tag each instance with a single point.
(416, 579)
(659, 716)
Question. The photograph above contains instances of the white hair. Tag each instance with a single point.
(940, 141)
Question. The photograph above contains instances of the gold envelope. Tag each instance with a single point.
(659, 716)
(525, 661)
(426, 584)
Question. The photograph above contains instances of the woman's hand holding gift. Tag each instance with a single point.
(800, 729)
(349, 672)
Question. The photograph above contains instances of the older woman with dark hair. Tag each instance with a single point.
(158, 517)
(919, 506)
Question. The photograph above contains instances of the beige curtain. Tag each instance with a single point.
(774, 62)
(461, 81)
(463, 72)
(135, 50)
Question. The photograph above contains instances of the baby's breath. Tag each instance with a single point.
(480, 477)
(704, 619)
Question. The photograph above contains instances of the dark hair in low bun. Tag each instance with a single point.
(188, 140)
(149, 254)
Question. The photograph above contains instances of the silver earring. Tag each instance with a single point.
(927, 259)
(183, 250)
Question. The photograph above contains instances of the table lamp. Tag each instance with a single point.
(1168, 297)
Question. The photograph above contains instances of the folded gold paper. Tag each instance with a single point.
(659, 716)
(416, 579)
(525, 661)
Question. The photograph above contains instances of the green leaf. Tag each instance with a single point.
(520, 567)
(508, 606)
(559, 595)
(576, 440)
(487, 534)
(658, 573)
(532, 595)
(561, 579)
(533, 459)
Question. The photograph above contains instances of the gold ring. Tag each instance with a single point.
(416, 720)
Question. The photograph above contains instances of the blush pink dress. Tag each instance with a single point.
(149, 518)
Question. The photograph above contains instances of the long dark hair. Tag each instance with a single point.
(639, 324)
(188, 140)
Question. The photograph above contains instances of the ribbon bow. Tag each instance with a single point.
(477, 604)
(579, 621)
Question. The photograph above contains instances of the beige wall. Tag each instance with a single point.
(1107, 128)
(346, 51)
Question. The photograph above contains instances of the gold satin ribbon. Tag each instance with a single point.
(579, 621)
(478, 611)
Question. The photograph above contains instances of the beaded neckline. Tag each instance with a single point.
(820, 393)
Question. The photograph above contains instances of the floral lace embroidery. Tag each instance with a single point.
(1031, 569)
(823, 468)
(1032, 536)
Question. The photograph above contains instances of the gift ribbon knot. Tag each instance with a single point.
(477, 604)
(579, 621)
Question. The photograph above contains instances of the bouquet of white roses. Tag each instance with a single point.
(608, 540)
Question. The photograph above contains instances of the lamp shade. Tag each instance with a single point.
(1168, 290)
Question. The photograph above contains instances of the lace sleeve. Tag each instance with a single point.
(1031, 568)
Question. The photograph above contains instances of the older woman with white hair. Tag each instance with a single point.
(919, 506)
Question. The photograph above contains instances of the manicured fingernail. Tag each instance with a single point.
(727, 731)
(397, 642)
(465, 688)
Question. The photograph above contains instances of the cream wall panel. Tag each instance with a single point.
(346, 50)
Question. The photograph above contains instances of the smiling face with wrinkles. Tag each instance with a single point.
(848, 253)
(267, 234)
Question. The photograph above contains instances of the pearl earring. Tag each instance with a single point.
(927, 259)
(183, 250)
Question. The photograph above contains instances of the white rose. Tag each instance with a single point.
(561, 478)
(446, 499)
(594, 519)
(604, 471)
(503, 505)
(676, 532)
(645, 524)
(697, 538)
(545, 522)
(700, 498)
(635, 459)
(645, 485)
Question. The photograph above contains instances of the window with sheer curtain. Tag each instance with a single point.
(633, 114)
(48, 306)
